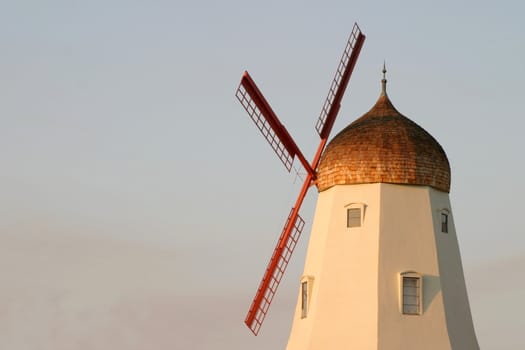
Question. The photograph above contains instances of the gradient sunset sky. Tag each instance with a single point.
(139, 203)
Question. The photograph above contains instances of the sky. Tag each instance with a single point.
(140, 205)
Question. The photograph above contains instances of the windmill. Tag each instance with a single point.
(286, 149)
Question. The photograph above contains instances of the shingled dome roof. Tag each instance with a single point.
(384, 146)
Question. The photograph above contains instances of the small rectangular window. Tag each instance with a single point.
(304, 299)
(353, 217)
(411, 295)
(444, 222)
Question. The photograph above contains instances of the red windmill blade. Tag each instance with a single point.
(286, 149)
(342, 77)
(265, 119)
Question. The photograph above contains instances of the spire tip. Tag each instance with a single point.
(383, 81)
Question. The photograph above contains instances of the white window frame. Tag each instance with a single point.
(306, 294)
(404, 290)
(353, 206)
(444, 212)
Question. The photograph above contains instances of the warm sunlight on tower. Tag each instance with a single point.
(383, 268)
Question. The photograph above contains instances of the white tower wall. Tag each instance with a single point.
(353, 274)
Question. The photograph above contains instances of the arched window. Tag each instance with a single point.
(355, 213)
(411, 293)
(306, 291)
(444, 220)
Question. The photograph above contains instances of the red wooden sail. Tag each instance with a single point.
(286, 149)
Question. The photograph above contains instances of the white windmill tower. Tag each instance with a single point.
(383, 268)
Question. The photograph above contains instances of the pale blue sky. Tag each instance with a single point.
(126, 158)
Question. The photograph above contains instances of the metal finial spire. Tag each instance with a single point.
(383, 81)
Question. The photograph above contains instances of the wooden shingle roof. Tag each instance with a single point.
(384, 146)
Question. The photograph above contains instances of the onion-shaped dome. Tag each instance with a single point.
(384, 146)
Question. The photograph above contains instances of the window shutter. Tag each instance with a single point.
(444, 222)
(411, 295)
(353, 217)
(304, 299)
